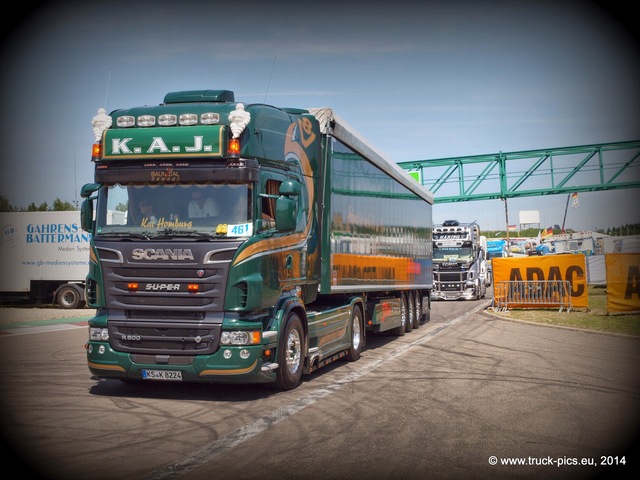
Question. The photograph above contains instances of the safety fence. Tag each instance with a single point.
(532, 294)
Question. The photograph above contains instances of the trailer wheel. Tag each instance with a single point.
(427, 314)
(290, 356)
(411, 311)
(402, 328)
(69, 297)
(417, 304)
(356, 335)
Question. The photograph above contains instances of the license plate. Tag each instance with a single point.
(162, 375)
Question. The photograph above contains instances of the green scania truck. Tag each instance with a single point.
(235, 243)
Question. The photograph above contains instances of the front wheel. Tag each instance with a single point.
(290, 354)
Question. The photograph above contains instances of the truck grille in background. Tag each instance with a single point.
(451, 281)
(453, 276)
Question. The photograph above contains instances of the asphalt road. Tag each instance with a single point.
(444, 401)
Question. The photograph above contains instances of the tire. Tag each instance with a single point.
(290, 354)
(69, 297)
(357, 338)
(426, 317)
(411, 311)
(402, 328)
(417, 304)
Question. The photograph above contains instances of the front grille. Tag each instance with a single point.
(181, 316)
(141, 300)
(152, 308)
(158, 284)
(167, 286)
(164, 338)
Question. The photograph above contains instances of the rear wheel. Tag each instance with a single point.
(426, 317)
(417, 304)
(411, 311)
(356, 335)
(70, 296)
(290, 354)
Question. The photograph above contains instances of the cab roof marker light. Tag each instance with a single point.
(233, 149)
(167, 120)
(126, 121)
(188, 119)
(96, 151)
(210, 118)
(146, 121)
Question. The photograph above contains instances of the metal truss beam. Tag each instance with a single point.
(586, 168)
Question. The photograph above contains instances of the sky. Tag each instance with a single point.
(419, 80)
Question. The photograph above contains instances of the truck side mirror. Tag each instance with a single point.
(290, 187)
(286, 207)
(89, 189)
(285, 214)
(86, 215)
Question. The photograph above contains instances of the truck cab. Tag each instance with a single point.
(459, 262)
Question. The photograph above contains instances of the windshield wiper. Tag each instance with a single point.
(170, 232)
(124, 235)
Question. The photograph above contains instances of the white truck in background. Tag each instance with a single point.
(459, 262)
(44, 258)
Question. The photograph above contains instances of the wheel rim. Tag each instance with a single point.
(403, 312)
(67, 298)
(418, 306)
(293, 351)
(357, 333)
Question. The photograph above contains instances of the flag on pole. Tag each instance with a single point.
(546, 233)
(574, 200)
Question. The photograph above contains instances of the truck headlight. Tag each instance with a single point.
(240, 337)
(98, 334)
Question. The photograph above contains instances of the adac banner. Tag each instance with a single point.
(570, 267)
(623, 282)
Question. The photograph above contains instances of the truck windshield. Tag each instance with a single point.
(452, 254)
(498, 254)
(220, 209)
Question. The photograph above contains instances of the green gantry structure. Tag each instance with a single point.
(587, 168)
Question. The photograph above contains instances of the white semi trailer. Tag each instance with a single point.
(44, 258)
